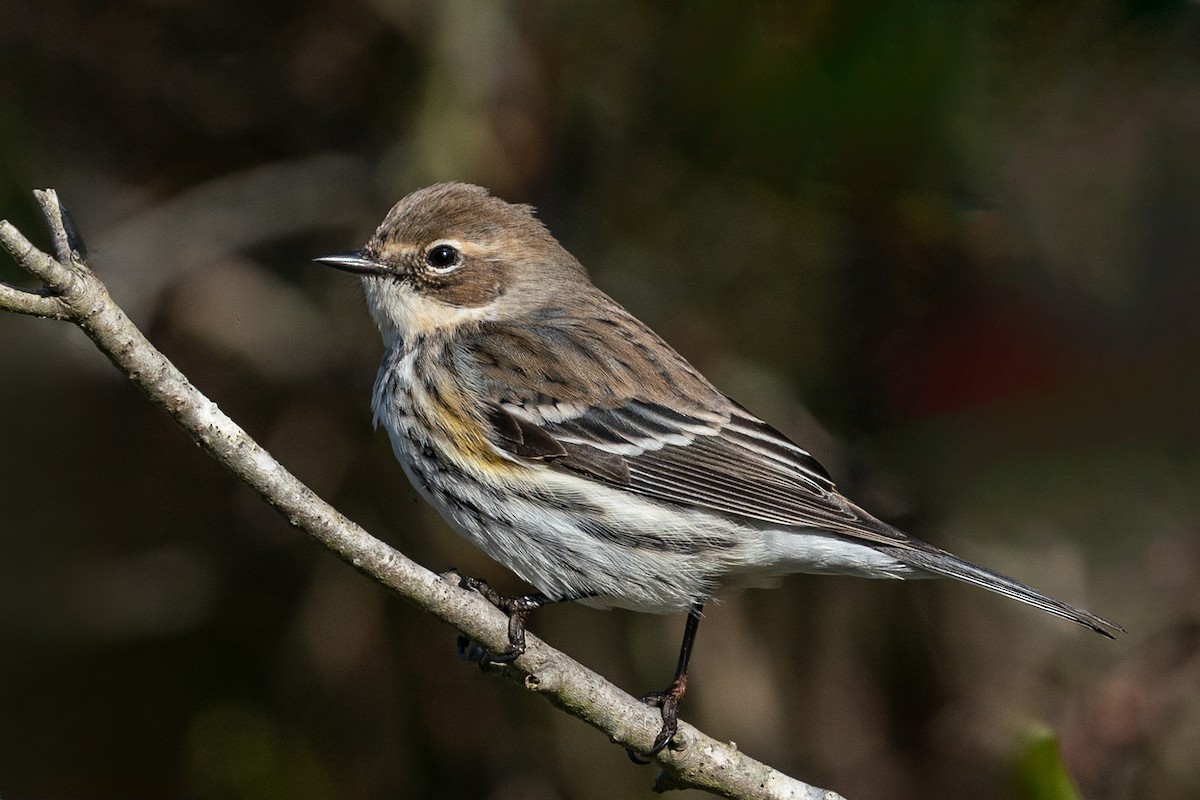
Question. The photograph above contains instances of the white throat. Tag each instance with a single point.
(402, 313)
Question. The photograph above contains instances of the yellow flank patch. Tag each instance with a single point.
(464, 438)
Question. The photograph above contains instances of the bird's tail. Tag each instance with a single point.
(939, 562)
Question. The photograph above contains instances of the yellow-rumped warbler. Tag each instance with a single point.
(568, 441)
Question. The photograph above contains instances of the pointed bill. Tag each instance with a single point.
(356, 261)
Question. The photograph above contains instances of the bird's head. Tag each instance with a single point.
(451, 254)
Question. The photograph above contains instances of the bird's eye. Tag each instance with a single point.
(443, 257)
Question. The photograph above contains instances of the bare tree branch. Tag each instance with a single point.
(72, 292)
(34, 304)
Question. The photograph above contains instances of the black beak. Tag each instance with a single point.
(357, 262)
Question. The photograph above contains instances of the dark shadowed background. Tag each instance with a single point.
(952, 248)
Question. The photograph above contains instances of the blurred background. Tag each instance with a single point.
(951, 248)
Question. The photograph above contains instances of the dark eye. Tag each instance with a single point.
(442, 257)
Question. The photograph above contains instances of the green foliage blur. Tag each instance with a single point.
(1041, 774)
(951, 248)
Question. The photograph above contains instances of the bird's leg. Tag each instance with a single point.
(669, 699)
(517, 608)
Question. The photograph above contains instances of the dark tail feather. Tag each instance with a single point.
(940, 562)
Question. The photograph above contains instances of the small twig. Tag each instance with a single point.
(74, 293)
(35, 304)
(54, 215)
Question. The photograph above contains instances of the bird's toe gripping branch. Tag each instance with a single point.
(517, 608)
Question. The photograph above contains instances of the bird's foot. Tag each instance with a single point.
(517, 608)
(667, 701)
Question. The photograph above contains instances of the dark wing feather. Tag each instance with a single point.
(521, 437)
(526, 439)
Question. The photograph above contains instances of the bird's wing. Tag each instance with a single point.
(740, 466)
(631, 413)
(611, 401)
(737, 465)
(605, 397)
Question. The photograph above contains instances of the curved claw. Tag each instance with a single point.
(660, 742)
(635, 758)
(473, 651)
(507, 657)
(668, 703)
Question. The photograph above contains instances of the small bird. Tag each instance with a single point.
(563, 437)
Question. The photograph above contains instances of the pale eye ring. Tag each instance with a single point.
(443, 257)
